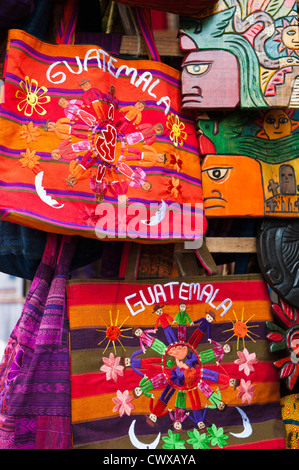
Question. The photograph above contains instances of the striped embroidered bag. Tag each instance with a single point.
(96, 145)
(176, 363)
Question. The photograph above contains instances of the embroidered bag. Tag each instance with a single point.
(34, 373)
(96, 145)
(175, 363)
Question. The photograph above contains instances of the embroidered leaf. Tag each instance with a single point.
(198, 440)
(173, 441)
(217, 436)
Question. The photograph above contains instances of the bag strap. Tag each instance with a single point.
(53, 328)
(185, 261)
(67, 26)
(145, 23)
(26, 329)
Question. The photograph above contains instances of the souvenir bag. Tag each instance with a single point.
(34, 373)
(173, 363)
(96, 145)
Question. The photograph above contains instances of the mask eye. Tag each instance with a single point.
(217, 174)
(197, 69)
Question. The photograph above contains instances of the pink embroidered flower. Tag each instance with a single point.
(246, 391)
(112, 368)
(246, 361)
(89, 216)
(123, 403)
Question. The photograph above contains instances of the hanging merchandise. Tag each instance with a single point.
(176, 363)
(94, 145)
(34, 373)
(241, 54)
(277, 251)
(250, 163)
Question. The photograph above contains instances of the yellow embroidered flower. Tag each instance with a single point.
(29, 159)
(176, 127)
(30, 133)
(32, 97)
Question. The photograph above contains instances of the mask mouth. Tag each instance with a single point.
(216, 199)
(194, 98)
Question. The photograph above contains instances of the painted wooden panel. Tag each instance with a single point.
(241, 53)
(250, 165)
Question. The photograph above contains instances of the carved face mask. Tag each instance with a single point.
(210, 79)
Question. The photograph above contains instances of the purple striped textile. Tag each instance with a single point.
(34, 373)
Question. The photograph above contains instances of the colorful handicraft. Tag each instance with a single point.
(250, 165)
(243, 53)
(279, 266)
(94, 145)
(177, 364)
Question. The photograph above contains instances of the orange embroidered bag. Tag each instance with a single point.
(95, 145)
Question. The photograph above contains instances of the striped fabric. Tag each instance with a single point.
(145, 24)
(109, 360)
(34, 373)
(87, 161)
(67, 26)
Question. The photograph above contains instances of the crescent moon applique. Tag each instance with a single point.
(158, 217)
(247, 431)
(41, 192)
(140, 445)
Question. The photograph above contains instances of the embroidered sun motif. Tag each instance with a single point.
(32, 97)
(113, 332)
(241, 330)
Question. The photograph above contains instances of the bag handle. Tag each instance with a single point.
(67, 26)
(185, 265)
(53, 328)
(145, 23)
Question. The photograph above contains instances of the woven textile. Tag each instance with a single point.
(96, 145)
(34, 374)
(173, 364)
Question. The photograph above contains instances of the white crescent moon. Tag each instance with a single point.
(247, 431)
(158, 217)
(41, 192)
(140, 445)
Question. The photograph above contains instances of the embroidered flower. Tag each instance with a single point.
(246, 391)
(29, 159)
(123, 403)
(112, 368)
(176, 127)
(174, 187)
(32, 97)
(173, 441)
(216, 436)
(246, 361)
(29, 132)
(89, 216)
(176, 162)
(198, 440)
